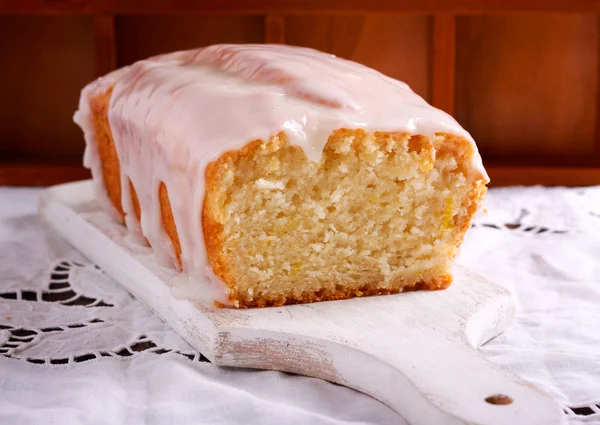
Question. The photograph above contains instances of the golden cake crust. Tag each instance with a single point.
(111, 171)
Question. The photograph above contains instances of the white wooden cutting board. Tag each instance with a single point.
(416, 352)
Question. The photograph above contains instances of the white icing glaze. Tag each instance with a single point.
(173, 114)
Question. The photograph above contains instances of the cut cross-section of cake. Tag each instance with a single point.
(272, 175)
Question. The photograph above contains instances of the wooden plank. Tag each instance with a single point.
(292, 6)
(104, 44)
(443, 52)
(45, 61)
(547, 176)
(526, 85)
(274, 29)
(558, 160)
(395, 44)
(140, 37)
(40, 174)
(596, 158)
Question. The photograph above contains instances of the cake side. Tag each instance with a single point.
(112, 178)
(381, 213)
(109, 160)
(100, 154)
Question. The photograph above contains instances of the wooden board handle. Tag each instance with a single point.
(439, 382)
(447, 382)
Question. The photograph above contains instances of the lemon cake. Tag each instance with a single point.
(271, 175)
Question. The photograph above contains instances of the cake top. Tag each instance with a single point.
(224, 96)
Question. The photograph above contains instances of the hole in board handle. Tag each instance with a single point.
(499, 399)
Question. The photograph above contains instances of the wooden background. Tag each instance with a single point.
(521, 75)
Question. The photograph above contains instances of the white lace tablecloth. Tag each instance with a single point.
(76, 348)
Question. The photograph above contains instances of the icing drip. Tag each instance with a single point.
(171, 115)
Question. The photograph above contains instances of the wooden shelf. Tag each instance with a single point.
(35, 174)
(38, 174)
(274, 29)
(292, 6)
(105, 45)
(443, 56)
(546, 176)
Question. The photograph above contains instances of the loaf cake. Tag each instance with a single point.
(271, 175)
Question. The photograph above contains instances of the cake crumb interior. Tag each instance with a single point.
(380, 213)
